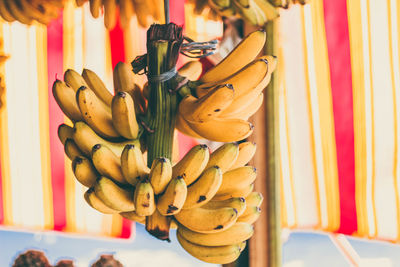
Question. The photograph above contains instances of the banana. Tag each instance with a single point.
(191, 70)
(224, 156)
(95, 6)
(174, 224)
(248, 13)
(208, 106)
(157, 10)
(110, 15)
(254, 199)
(243, 3)
(86, 138)
(217, 255)
(107, 163)
(173, 199)
(204, 189)
(243, 81)
(142, 14)
(223, 130)
(132, 164)
(5, 14)
(248, 110)
(238, 203)
(95, 114)
(246, 153)
(17, 13)
(184, 127)
(239, 57)
(126, 10)
(250, 215)
(192, 164)
(74, 79)
(160, 174)
(123, 115)
(97, 86)
(236, 179)
(207, 220)
(33, 12)
(115, 197)
(158, 225)
(144, 198)
(242, 192)
(238, 233)
(84, 171)
(65, 98)
(64, 132)
(132, 216)
(96, 203)
(80, 3)
(269, 10)
(71, 149)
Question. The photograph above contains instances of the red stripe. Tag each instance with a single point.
(177, 11)
(337, 34)
(56, 117)
(1, 196)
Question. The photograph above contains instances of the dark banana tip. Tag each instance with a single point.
(262, 30)
(235, 144)
(265, 60)
(251, 126)
(90, 190)
(130, 146)
(82, 88)
(121, 94)
(258, 209)
(163, 160)
(216, 167)
(235, 210)
(96, 147)
(254, 169)
(229, 85)
(203, 146)
(76, 161)
(242, 199)
(274, 56)
(180, 177)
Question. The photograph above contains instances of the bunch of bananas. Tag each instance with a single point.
(228, 94)
(146, 12)
(256, 12)
(27, 11)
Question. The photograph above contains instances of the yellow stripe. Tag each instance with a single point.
(357, 67)
(372, 119)
(310, 117)
(283, 202)
(395, 159)
(41, 54)
(4, 149)
(116, 227)
(68, 62)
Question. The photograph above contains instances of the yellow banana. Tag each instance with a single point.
(86, 138)
(5, 14)
(238, 203)
(95, 6)
(248, 110)
(96, 203)
(223, 130)
(123, 115)
(17, 13)
(184, 127)
(239, 57)
(207, 220)
(158, 225)
(113, 196)
(64, 132)
(248, 13)
(192, 164)
(107, 163)
(173, 199)
(144, 198)
(250, 215)
(236, 179)
(84, 171)
(74, 79)
(132, 164)
(160, 174)
(246, 153)
(204, 189)
(142, 14)
(191, 70)
(65, 98)
(132, 216)
(110, 15)
(254, 199)
(97, 86)
(224, 156)
(124, 80)
(126, 12)
(207, 107)
(95, 114)
(242, 192)
(217, 255)
(238, 233)
(31, 11)
(268, 9)
(71, 149)
(157, 10)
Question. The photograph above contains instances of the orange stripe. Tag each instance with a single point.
(310, 117)
(284, 216)
(395, 159)
(357, 66)
(327, 127)
(41, 53)
(372, 119)
(4, 150)
(68, 61)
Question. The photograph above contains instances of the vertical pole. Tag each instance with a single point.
(166, 11)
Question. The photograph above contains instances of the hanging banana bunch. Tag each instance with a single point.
(147, 12)
(256, 12)
(28, 11)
